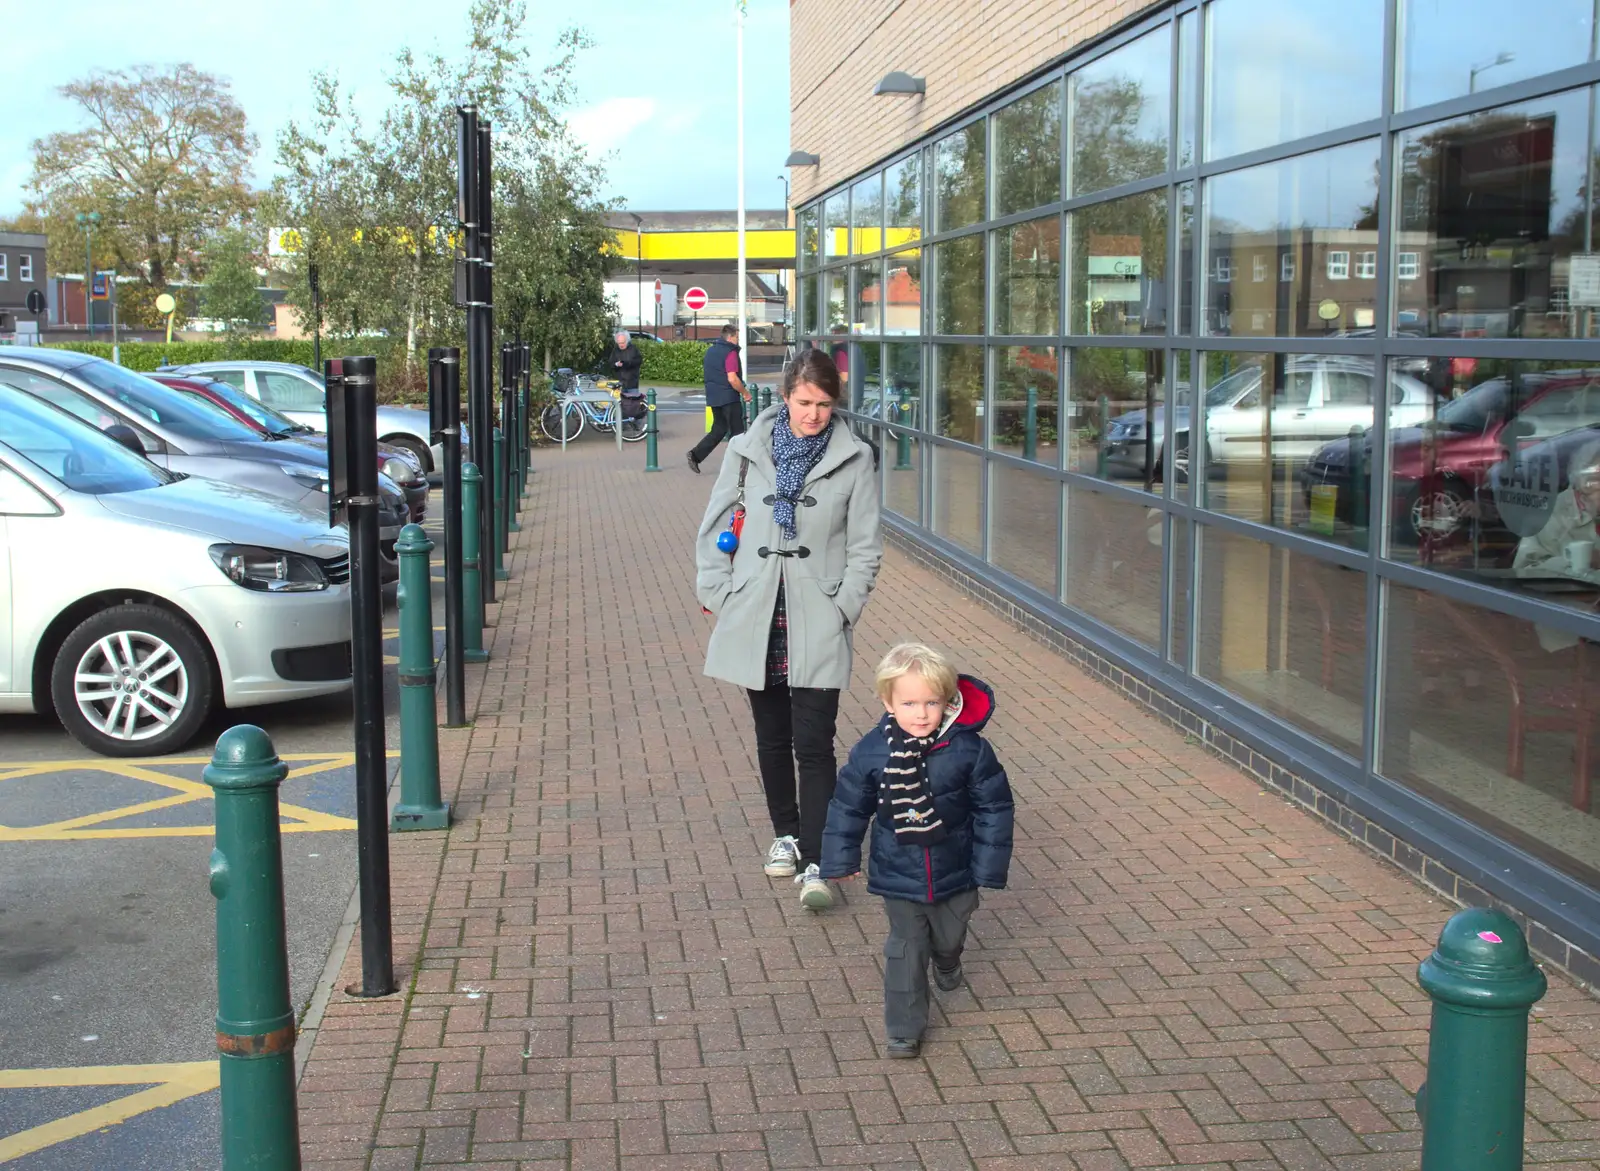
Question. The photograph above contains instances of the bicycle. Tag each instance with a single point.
(593, 405)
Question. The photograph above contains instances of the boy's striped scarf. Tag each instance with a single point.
(905, 800)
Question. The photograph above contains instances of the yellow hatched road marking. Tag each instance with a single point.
(168, 1085)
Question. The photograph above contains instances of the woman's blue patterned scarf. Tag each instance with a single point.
(795, 456)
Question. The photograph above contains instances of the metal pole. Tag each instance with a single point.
(902, 442)
(316, 316)
(527, 414)
(500, 535)
(489, 462)
(744, 367)
(650, 461)
(111, 291)
(471, 564)
(420, 806)
(469, 210)
(447, 361)
(1030, 426)
(366, 655)
(255, 1017)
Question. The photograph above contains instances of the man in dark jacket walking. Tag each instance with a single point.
(624, 360)
(725, 392)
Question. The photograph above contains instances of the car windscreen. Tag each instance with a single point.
(1477, 410)
(250, 408)
(149, 401)
(83, 459)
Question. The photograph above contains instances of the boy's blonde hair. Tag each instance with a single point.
(913, 658)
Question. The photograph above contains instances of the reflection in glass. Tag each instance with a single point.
(834, 302)
(902, 476)
(1182, 577)
(958, 392)
(805, 292)
(958, 497)
(903, 404)
(836, 224)
(1491, 212)
(1270, 233)
(1121, 116)
(1027, 277)
(1276, 72)
(1025, 524)
(1481, 483)
(1455, 47)
(958, 167)
(902, 184)
(1186, 290)
(1117, 411)
(1493, 719)
(806, 232)
(866, 378)
(1285, 632)
(958, 285)
(1119, 266)
(867, 308)
(902, 311)
(1027, 151)
(1025, 398)
(1188, 70)
(866, 215)
(1114, 563)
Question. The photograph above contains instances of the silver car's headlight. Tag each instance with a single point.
(399, 470)
(269, 570)
(306, 476)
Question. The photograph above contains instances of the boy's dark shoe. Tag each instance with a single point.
(905, 1047)
(694, 464)
(948, 979)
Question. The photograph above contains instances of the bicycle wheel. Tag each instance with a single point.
(557, 415)
(605, 419)
(634, 430)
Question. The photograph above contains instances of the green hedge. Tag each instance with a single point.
(147, 356)
(672, 361)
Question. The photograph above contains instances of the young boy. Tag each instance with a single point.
(941, 812)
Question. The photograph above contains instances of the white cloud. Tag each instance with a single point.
(606, 125)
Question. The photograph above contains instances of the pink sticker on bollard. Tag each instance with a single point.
(1489, 937)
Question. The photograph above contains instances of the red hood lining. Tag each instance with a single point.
(975, 704)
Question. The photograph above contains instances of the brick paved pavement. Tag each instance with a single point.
(1186, 970)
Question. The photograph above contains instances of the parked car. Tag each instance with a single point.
(1440, 464)
(134, 599)
(183, 436)
(398, 463)
(299, 392)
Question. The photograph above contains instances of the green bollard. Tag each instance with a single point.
(420, 806)
(1102, 456)
(255, 1019)
(1030, 426)
(501, 537)
(902, 443)
(766, 397)
(651, 463)
(1482, 982)
(471, 550)
(524, 437)
(1360, 484)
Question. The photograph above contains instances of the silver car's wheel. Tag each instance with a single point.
(131, 681)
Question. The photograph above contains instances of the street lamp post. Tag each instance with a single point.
(88, 222)
(783, 285)
(739, 15)
(1504, 58)
(638, 267)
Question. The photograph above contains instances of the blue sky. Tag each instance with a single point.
(656, 93)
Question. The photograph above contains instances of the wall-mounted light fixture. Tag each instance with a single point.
(901, 83)
(799, 158)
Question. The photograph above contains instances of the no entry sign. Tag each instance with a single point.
(696, 299)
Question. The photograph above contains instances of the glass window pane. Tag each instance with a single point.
(1188, 69)
(1276, 72)
(958, 285)
(1286, 439)
(866, 215)
(903, 311)
(806, 305)
(834, 302)
(1114, 563)
(1025, 397)
(1027, 277)
(1027, 151)
(903, 200)
(867, 309)
(1186, 290)
(958, 392)
(1455, 47)
(958, 169)
(1117, 408)
(1491, 212)
(958, 497)
(1484, 714)
(1271, 231)
(1285, 632)
(866, 379)
(1121, 114)
(1182, 576)
(1119, 266)
(806, 232)
(904, 384)
(836, 224)
(902, 475)
(1025, 523)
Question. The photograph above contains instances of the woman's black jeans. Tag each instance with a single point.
(795, 725)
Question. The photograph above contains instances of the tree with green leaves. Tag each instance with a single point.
(230, 293)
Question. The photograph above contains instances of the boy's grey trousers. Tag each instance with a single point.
(919, 932)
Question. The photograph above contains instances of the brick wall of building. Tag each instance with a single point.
(967, 49)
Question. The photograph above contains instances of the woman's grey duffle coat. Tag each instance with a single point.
(834, 561)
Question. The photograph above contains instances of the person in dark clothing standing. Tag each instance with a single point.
(724, 392)
(624, 360)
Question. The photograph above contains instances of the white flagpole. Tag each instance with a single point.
(743, 329)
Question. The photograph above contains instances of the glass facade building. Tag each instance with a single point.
(1256, 346)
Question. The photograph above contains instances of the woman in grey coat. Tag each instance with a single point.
(787, 599)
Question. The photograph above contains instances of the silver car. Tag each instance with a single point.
(134, 600)
(299, 392)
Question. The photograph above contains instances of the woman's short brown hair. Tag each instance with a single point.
(817, 369)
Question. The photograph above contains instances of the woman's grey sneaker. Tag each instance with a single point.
(949, 979)
(783, 859)
(814, 890)
(904, 1047)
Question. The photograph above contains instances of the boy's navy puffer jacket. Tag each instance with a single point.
(970, 791)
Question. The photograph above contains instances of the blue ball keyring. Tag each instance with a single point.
(728, 541)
